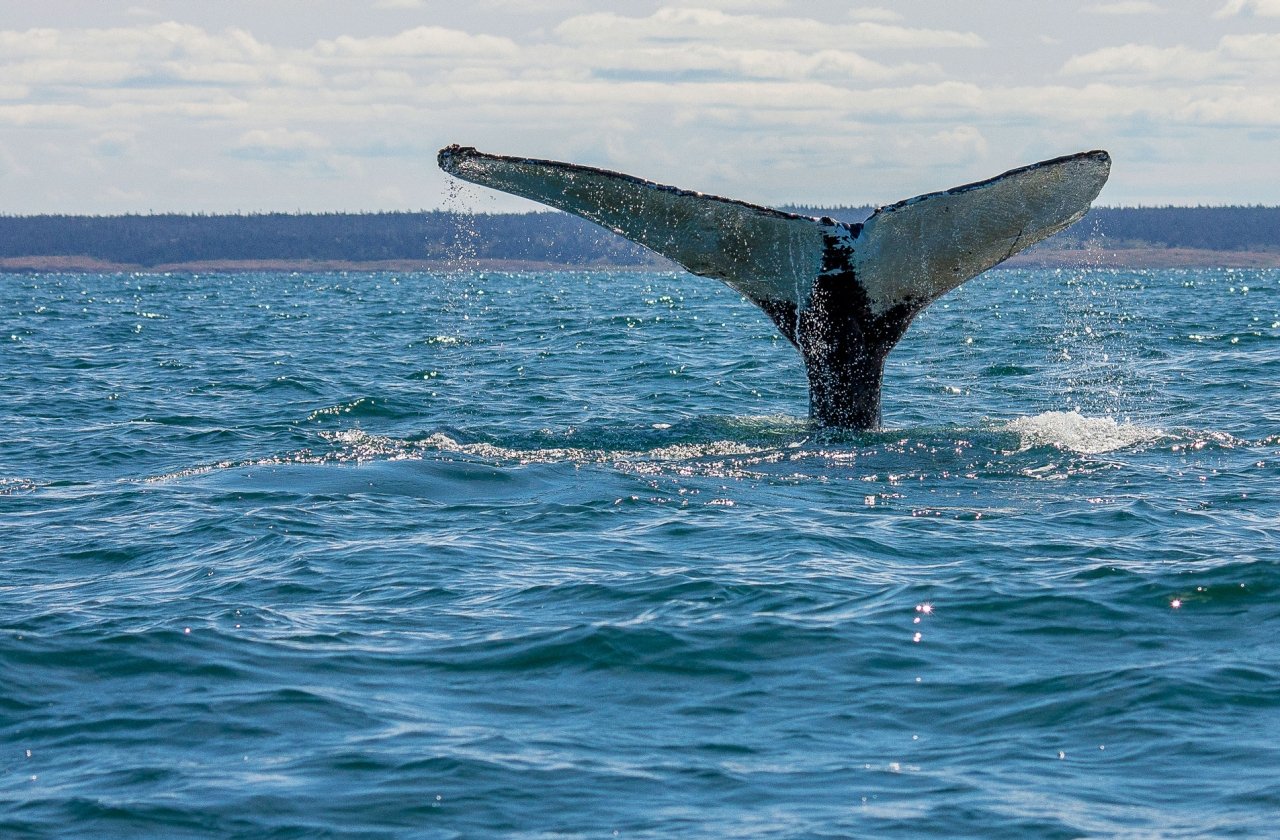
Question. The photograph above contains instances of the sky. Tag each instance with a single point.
(331, 105)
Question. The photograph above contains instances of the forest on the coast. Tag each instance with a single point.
(547, 238)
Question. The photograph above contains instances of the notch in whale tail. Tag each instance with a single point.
(843, 294)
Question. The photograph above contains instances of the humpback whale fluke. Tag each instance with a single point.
(842, 293)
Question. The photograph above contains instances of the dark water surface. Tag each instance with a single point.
(368, 555)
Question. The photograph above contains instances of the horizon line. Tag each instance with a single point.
(789, 206)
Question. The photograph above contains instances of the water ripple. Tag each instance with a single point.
(530, 553)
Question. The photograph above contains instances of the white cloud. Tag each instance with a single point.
(110, 57)
(133, 196)
(204, 177)
(1262, 8)
(867, 105)
(1233, 107)
(875, 13)
(672, 25)
(1258, 47)
(950, 147)
(422, 41)
(743, 4)
(115, 144)
(1253, 57)
(722, 63)
(278, 144)
(1147, 61)
(1126, 7)
(10, 166)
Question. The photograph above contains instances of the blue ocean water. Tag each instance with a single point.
(556, 554)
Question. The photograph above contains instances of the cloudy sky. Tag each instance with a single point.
(253, 105)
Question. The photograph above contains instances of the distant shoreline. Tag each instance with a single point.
(1133, 258)
(1149, 257)
(440, 241)
(93, 265)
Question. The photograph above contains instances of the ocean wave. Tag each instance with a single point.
(777, 449)
(15, 484)
(361, 407)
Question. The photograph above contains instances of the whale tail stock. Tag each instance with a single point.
(843, 294)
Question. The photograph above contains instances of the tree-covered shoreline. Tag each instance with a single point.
(544, 238)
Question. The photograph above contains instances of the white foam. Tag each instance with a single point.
(677, 452)
(1072, 431)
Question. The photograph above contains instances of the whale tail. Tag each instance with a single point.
(843, 294)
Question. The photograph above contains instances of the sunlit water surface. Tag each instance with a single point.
(367, 555)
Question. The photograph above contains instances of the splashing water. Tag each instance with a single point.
(460, 201)
(1072, 431)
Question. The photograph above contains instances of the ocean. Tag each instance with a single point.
(557, 555)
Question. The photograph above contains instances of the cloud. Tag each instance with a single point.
(1239, 108)
(793, 106)
(1258, 47)
(115, 144)
(1147, 61)
(947, 148)
(420, 42)
(703, 67)
(1125, 7)
(743, 4)
(10, 166)
(1261, 8)
(876, 13)
(278, 145)
(672, 25)
(1239, 57)
(202, 176)
(711, 63)
(146, 54)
